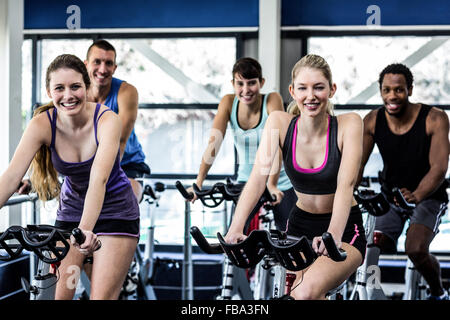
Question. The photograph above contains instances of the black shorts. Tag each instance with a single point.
(107, 227)
(135, 170)
(302, 223)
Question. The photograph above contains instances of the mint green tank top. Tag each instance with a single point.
(246, 143)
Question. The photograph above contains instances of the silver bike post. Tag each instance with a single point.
(43, 286)
(412, 279)
(187, 275)
(373, 277)
(259, 291)
(146, 269)
(360, 290)
(227, 280)
(225, 218)
(279, 282)
(34, 220)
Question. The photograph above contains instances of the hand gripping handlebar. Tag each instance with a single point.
(402, 203)
(378, 204)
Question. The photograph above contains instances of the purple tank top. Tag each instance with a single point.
(119, 203)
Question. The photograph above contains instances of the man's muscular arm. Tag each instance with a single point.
(437, 125)
(128, 108)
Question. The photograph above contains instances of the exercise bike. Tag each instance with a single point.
(367, 280)
(138, 283)
(279, 251)
(235, 283)
(49, 244)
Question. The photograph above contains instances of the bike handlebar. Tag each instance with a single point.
(78, 235)
(402, 203)
(38, 239)
(377, 204)
(334, 253)
(183, 191)
(150, 191)
(215, 195)
(203, 243)
(291, 252)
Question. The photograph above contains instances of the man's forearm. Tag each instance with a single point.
(429, 183)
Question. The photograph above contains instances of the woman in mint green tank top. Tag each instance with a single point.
(247, 110)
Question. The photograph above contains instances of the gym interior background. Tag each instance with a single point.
(179, 55)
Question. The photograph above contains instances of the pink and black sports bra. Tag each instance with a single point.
(320, 180)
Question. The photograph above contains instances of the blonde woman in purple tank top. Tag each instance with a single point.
(80, 141)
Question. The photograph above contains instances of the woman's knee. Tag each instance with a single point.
(416, 253)
(104, 294)
(307, 292)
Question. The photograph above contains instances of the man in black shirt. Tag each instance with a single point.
(413, 142)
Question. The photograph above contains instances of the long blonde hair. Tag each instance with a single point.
(315, 62)
(44, 177)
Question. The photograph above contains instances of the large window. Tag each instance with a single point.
(180, 70)
(357, 61)
(180, 82)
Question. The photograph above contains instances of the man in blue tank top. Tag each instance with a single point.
(413, 142)
(122, 98)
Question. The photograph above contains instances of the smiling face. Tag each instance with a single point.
(67, 90)
(311, 90)
(101, 66)
(247, 90)
(395, 93)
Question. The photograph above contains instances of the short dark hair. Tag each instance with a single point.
(248, 68)
(397, 68)
(101, 44)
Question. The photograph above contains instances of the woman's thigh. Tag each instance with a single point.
(111, 264)
(69, 273)
(325, 274)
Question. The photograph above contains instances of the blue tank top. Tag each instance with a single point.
(246, 143)
(321, 180)
(133, 150)
(119, 203)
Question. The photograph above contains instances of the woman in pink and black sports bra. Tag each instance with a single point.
(321, 155)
